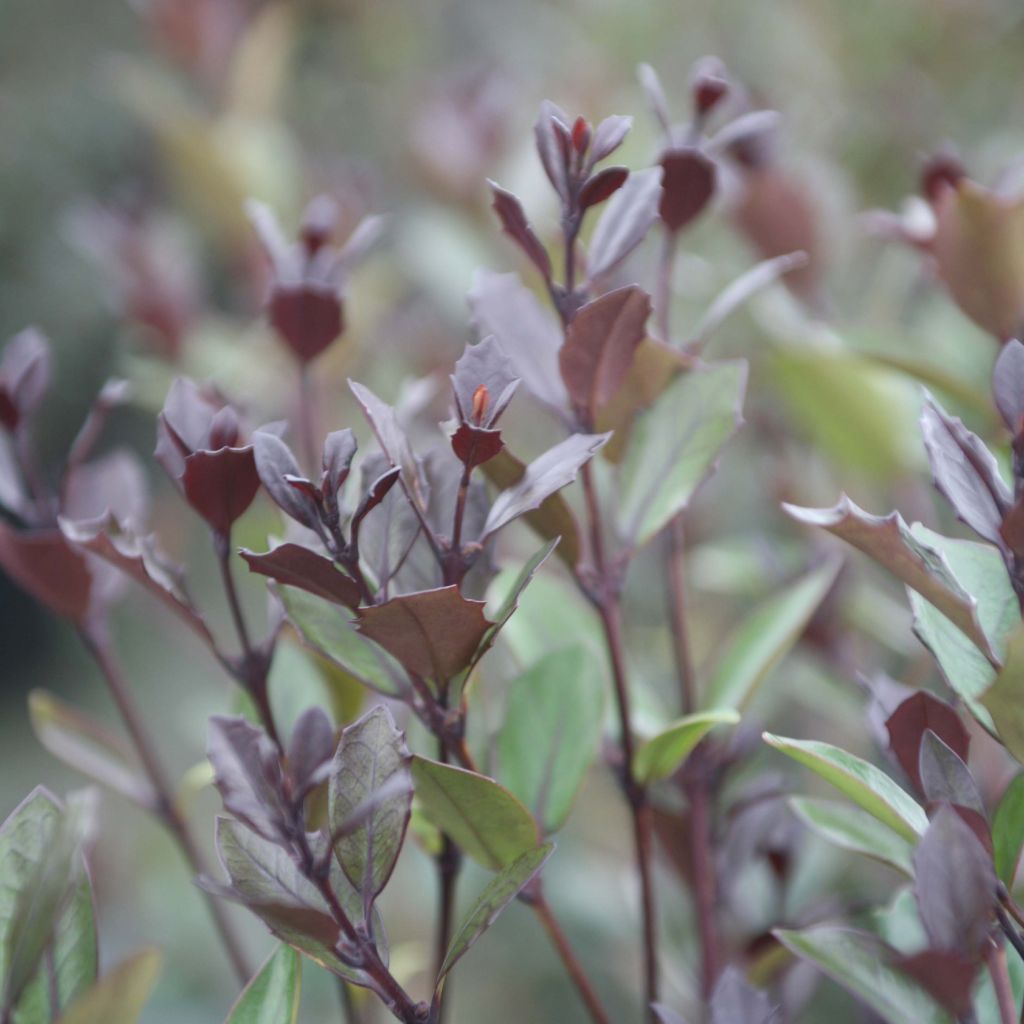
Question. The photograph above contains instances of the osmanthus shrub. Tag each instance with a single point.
(387, 567)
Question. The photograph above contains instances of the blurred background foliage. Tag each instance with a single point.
(131, 135)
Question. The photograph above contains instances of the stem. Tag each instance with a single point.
(678, 604)
(306, 416)
(448, 862)
(98, 645)
(663, 286)
(1000, 974)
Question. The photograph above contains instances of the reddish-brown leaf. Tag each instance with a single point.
(44, 564)
(474, 446)
(912, 719)
(221, 485)
(309, 317)
(687, 185)
(948, 976)
(602, 185)
(297, 566)
(517, 227)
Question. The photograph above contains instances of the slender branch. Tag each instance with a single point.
(306, 416)
(675, 534)
(663, 286)
(448, 861)
(98, 645)
(995, 958)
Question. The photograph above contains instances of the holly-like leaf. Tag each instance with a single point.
(895, 546)
(272, 996)
(765, 637)
(944, 776)
(853, 829)
(547, 474)
(675, 444)
(499, 893)
(1008, 385)
(1008, 831)
(663, 754)
(120, 996)
(77, 739)
(862, 782)
(599, 347)
(483, 818)
(517, 227)
(551, 731)
(433, 633)
(299, 566)
(915, 716)
(687, 185)
(372, 758)
(626, 219)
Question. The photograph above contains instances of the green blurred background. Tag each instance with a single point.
(130, 135)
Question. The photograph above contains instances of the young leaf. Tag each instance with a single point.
(853, 829)
(548, 473)
(765, 637)
(77, 739)
(517, 227)
(626, 219)
(598, 188)
(120, 996)
(608, 136)
(912, 719)
(272, 997)
(858, 961)
(298, 566)
(372, 758)
(484, 819)
(483, 364)
(861, 781)
(661, 755)
(275, 463)
(674, 446)
(687, 185)
(499, 893)
(1008, 385)
(551, 732)
(1008, 831)
(944, 776)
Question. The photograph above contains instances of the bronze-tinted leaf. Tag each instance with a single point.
(912, 719)
(945, 778)
(308, 316)
(947, 975)
(687, 185)
(275, 463)
(474, 446)
(220, 485)
(298, 566)
(601, 186)
(44, 564)
(517, 227)
(483, 364)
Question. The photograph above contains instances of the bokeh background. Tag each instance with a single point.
(130, 135)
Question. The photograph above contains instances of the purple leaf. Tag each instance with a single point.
(687, 183)
(1008, 385)
(735, 1001)
(220, 485)
(339, 450)
(298, 566)
(24, 376)
(474, 446)
(608, 136)
(310, 751)
(625, 221)
(947, 975)
(651, 84)
(550, 131)
(910, 721)
(46, 566)
(483, 364)
(944, 776)
(601, 186)
(517, 227)
(275, 463)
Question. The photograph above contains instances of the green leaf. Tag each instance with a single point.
(118, 997)
(500, 892)
(1008, 830)
(862, 782)
(331, 632)
(489, 824)
(80, 741)
(272, 997)
(765, 637)
(551, 732)
(857, 961)
(661, 755)
(1004, 699)
(853, 829)
(675, 444)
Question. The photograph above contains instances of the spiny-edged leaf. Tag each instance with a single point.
(298, 566)
(329, 631)
(916, 715)
(1004, 699)
(120, 996)
(546, 475)
(433, 633)
(77, 739)
(371, 759)
(517, 227)
(272, 997)
(853, 829)
(765, 637)
(965, 471)
(1008, 385)
(528, 334)
(955, 884)
(735, 1001)
(552, 520)
(625, 221)
(859, 962)
(551, 732)
(861, 781)
(674, 446)
(945, 777)
(499, 893)
(599, 347)
(484, 819)
(980, 571)
(661, 755)
(894, 545)
(1008, 830)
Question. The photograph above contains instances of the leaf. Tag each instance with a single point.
(665, 1015)
(550, 734)
(328, 630)
(1004, 699)
(372, 758)
(863, 783)
(765, 637)
(1008, 385)
(547, 474)
(484, 364)
(625, 221)
(1008, 831)
(517, 227)
(599, 347)
(220, 485)
(119, 996)
(298, 566)
(77, 739)
(965, 472)
(275, 463)
(484, 819)
(915, 716)
(551, 123)
(859, 962)
(499, 893)
(48, 568)
(955, 884)
(272, 997)
(945, 777)
(896, 547)
(675, 444)
(687, 185)
(601, 186)
(433, 633)
(853, 829)
(528, 334)
(510, 600)
(735, 1001)
(946, 975)
(661, 755)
